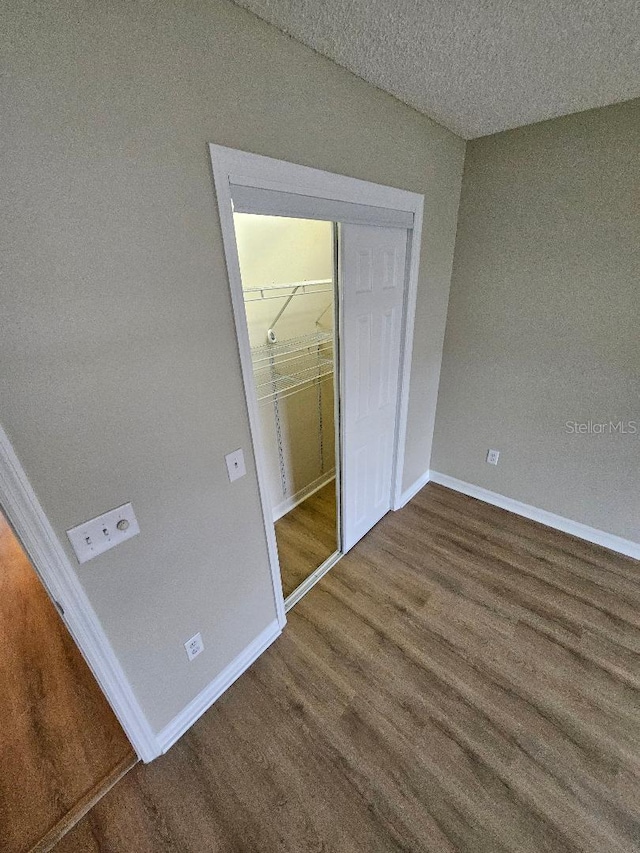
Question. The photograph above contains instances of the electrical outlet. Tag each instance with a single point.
(493, 456)
(194, 646)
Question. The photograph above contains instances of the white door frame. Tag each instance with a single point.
(50, 562)
(241, 168)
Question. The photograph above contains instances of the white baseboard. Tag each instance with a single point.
(413, 489)
(204, 700)
(291, 503)
(550, 519)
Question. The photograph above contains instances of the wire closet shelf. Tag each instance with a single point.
(295, 288)
(281, 369)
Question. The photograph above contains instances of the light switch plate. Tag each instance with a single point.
(103, 532)
(235, 465)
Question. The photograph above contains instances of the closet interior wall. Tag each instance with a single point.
(288, 278)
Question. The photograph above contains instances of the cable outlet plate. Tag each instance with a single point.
(98, 535)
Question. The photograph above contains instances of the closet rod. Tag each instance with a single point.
(310, 283)
(251, 299)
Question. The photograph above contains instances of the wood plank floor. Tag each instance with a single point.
(463, 680)
(60, 743)
(306, 537)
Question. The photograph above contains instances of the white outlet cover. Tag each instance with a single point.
(493, 456)
(101, 533)
(235, 465)
(194, 646)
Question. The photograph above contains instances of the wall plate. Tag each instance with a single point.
(99, 534)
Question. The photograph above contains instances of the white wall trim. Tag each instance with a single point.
(406, 354)
(205, 699)
(550, 519)
(50, 561)
(255, 170)
(413, 490)
(292, 502)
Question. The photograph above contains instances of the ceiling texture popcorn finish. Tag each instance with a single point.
(476, 66)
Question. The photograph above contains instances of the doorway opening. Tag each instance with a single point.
(61, 746)
(376, 234)
(288, 272)
(318, 295)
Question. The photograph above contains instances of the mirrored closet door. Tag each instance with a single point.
(289, 288)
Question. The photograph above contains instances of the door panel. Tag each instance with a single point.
(372, 265)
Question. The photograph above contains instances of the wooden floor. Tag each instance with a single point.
(306, 537)
(60, 743)
(463, 680)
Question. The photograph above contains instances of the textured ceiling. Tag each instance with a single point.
(477, 66)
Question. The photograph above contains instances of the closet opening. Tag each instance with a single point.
(289, 285)
(323, 275)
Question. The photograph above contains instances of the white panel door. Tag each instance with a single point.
(372, 273)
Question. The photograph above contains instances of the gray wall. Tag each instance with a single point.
(120, 376)
(544, 319)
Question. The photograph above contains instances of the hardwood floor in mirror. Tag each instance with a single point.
(307, 536)
(60, 744)
(462, 681)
